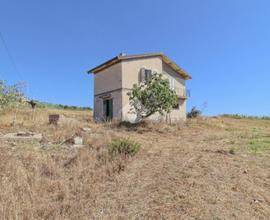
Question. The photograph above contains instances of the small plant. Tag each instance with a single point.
(123, 146)
(194, 113)
(232, 151)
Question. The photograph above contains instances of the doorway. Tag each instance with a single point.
(108, 109)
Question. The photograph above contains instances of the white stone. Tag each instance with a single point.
(78, 140)
(86, 129)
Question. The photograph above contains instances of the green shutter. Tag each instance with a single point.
(110, 109)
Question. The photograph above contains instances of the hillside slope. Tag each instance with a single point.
(212, 168)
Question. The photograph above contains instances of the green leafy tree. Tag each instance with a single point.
(152, 96)
(9, 95)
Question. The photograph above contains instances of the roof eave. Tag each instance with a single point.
(176, 68)
(104, 65)
(118, 59)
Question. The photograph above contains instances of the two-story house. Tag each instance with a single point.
(116, 77)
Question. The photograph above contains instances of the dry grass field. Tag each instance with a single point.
(209, 168)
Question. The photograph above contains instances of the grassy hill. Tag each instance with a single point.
(208, 168)
(41, 104)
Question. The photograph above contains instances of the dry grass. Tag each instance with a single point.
(213, 168)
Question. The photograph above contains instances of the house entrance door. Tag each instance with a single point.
(108, 109)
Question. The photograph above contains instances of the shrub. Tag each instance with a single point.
(9, 95)
(194, 113)
(232, 151)
(123, 146)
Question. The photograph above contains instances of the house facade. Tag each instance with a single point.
(116, 77)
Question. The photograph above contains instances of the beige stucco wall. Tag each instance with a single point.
(118, 79)
(108, 83)
(108, 79)
(180, 84)
(131, 71)
(169, 72)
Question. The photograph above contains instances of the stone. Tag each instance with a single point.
(78, 140)
(256, 201)
(25, 134)
(86, 129)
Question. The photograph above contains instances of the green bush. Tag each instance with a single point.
(123, 146)
(9, 95)
(194, 113)
(232, 151)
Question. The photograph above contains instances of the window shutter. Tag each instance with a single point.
(145, 74)
(148, 74)
(142, 75)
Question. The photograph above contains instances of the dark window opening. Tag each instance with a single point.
(108, 109)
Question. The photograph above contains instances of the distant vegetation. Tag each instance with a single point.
(194, 113)
(237, 116)
(40, 104)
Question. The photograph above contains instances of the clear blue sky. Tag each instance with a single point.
(224, 45)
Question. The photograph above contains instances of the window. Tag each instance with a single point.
(148, 74)
(145, 74)
(172, 83)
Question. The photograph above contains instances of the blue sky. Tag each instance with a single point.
(224, 45)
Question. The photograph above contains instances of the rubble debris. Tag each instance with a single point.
(255, 201)
(25, 133)
(74, 141)
(86, 129)
(78, 141)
